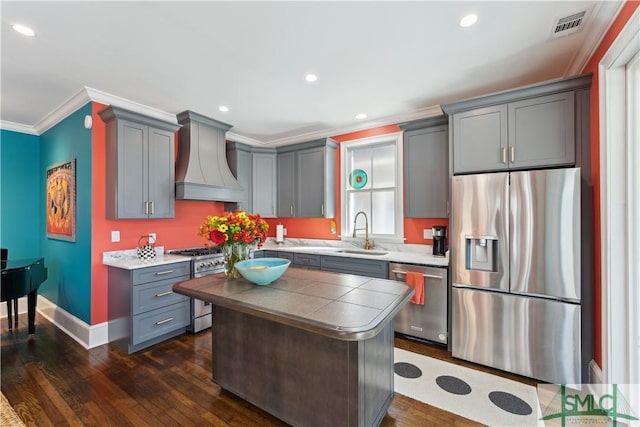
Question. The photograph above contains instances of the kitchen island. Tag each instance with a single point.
(313, 348)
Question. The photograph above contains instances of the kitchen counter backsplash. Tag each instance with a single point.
(408, 253)
(128, 258)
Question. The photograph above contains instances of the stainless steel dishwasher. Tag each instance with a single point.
(428, 321)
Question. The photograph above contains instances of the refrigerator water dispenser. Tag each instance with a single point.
(481, 253)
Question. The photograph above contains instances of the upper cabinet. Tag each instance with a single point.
(426, 168)
(526, 128)
(255, 170)
(139, 165)
(240, 162)
(307, 179)
(264, 166)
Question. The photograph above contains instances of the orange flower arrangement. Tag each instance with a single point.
(235, 232)
(235, 227)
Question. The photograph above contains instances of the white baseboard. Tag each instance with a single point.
(595, 373)
(22, 307)
(88, 336)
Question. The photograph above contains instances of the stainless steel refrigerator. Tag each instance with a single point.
(515, 260)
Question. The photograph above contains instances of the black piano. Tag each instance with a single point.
(22, 277)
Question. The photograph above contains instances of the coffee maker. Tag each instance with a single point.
(439, 240)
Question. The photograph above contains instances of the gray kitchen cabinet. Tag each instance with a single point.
(140, 168)
(480, 139)
(143, 309)
(542, 131)
(279, 254)
(307, 179)
(264, 182)
(526, 128)
(310, 261)
(286, 184)
(255, 170)
(240, 162)
(359, 266)
(426, 168)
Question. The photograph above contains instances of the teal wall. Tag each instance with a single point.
(69, 263)
(21, 205)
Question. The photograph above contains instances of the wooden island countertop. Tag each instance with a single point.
(313, 348)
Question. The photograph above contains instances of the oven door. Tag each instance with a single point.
(200, 315)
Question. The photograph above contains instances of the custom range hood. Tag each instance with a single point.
(202, 171)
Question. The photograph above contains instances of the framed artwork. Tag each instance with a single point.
(61, 201)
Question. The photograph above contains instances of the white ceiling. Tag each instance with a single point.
(395, 61)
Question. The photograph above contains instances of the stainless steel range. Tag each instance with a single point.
(204, 261)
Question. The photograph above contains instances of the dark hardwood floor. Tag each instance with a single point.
(51, 380)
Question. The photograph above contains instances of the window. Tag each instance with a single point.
(371, 180)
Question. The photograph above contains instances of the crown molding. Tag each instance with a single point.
(236, 137)
(88, 94)
(108, 99)
(17, 127)
(384, 121)
(62, 111)
(605, 12)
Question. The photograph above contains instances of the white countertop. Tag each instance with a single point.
(412, 254)
(128, 259)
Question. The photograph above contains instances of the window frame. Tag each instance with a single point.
(345, 223)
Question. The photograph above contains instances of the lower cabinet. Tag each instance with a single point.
(143, 309)
(359, 266)
(337, 264)
(309, 261)
(279, 254)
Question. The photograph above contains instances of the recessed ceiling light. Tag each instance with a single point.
(311, 78)
(223, 108)
(24, 30)
(361, 116)
(468, 20)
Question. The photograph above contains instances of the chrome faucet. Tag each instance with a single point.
(367, 244)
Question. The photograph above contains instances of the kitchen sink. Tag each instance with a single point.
(362, 252)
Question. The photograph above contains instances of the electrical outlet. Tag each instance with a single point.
(152, 236)
(427, 233)
(115, 236)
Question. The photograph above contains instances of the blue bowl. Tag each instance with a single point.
(262, 271)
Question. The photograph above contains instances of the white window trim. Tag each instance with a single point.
(620, 210)
(399, 205)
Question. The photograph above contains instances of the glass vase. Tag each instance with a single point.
(234, 253)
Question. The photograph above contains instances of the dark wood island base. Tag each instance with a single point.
(313, 348)
(305, 379)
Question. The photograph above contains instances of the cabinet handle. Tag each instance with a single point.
(164, 321)
(151, 203)
(322, 209)
(430, 276)
(512, 153)
(160, 273)
(448, 211)
(291, 209)
(146, 208)
(164, 294)
(503, 152)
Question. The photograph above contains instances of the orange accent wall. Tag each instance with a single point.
(178, 232)
(592, 67)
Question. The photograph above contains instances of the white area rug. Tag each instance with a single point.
(476, 404)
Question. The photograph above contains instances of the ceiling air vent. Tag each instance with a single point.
(568, 25)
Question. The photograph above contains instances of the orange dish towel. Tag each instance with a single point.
(416, 280)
